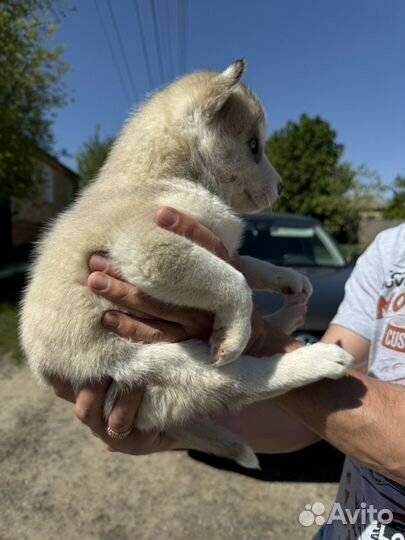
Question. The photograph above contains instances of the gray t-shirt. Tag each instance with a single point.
(374, 307)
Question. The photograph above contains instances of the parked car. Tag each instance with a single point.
(302, 243)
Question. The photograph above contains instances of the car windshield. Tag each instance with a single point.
(291, 244)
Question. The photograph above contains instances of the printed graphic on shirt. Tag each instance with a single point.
(392, 300)
(396, 277)
(387, 358)
(394, 336)
(379, 531)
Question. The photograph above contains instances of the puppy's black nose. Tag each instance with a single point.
(280, 188)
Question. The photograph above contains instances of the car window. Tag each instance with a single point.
(291, 245)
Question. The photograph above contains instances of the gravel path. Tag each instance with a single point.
(57, 481)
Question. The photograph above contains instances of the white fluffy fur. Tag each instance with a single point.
(187, 147)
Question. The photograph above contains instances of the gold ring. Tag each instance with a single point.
(120, 435)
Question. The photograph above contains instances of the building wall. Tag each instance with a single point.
(370, 226)
(56, 191)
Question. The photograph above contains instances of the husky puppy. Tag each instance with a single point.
(197, 146)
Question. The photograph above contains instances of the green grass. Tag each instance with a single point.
(9, 332)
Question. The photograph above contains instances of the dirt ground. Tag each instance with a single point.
(57, 481)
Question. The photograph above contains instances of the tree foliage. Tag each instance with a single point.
(308, 158)
(31, 87)
(396, 206)
(92, 155)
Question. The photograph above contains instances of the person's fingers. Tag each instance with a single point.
(123, 293)
(184, 225)
(63, 389)
(153, 331)
(122, 417)
(89, 407)
(99, 262)
(131, 297)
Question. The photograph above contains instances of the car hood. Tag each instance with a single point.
(328, 285)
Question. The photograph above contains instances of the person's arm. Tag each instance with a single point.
(264, 425)
(359, 415)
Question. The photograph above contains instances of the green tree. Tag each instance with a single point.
(31, 87)
(396, 206)
(92, 155)
(308, 158)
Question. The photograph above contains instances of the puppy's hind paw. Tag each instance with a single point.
(341, 362)
(335, 361)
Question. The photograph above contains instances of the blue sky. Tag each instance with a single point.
(341, 59)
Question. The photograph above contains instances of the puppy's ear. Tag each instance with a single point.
(222, 87)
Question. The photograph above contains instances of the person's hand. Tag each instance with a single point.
(169, 324)
(89, 405)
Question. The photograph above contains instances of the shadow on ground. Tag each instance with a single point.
(317, 463)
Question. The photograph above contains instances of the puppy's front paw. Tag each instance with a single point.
(292, 314)
(294, 283)
(225, 348)
(232, 328)
(228, 344)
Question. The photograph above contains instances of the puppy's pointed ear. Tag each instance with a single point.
(222, 87)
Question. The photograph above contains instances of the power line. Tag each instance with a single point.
(111, 48)
(124, 56)
(162, 32)
(185, 34)
(179, 40)
(169, 41)
(181, 7)
(143, 42)
(185, 12)
(157, 39)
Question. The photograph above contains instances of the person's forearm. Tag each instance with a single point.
(268, 429)
(361, 416)
(269, 340)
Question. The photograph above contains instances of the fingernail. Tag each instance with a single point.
(111, 320)
(98, 262)
(100, 283)
(167, 218)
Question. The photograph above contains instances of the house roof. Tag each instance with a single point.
(48, 157)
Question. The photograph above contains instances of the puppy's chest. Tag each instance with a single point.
(208, 210)
(225, 225)
(229, 231)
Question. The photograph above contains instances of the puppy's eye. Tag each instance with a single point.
(254, 145)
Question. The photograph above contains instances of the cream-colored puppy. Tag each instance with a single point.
(197, 145)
